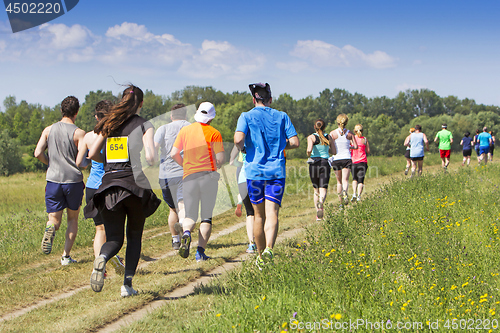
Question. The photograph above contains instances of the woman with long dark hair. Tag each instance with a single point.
(125, 192)
(319, 148)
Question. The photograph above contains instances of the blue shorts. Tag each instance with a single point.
(60, 196)
(172, 191)
(484, 150)
(271, 190)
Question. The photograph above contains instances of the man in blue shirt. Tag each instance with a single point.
(264, 133)
(485, 141)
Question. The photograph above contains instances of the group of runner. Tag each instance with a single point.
(190, 154)
(348, 156)
(483, 143)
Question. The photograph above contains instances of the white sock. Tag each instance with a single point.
(176, 238)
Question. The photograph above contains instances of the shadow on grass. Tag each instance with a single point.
(221, 246)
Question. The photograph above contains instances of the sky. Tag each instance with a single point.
(376, 48)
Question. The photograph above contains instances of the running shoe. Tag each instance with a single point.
(185, 243)
(176, 245)
(406, 171)
(319, 213)
(345, 197)
(358, 199)
(97, 276)
(201, 256)
(353, 198)
(48, 238)
(259, 263)
(267, 255)
(251, 248)
(238, 209)
(65, 261)
(117, 263)
(127, 291)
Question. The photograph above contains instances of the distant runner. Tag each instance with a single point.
(475, 142)
(407, 153)
(203, 155)
(341, 162)
(466, 144)
(359, 163)
(170, 175)
(492, 147)
(319, 147)
(485, 141)
(264, 133)
(94, 181)
(416, 141)
(65, 186)
(445, 139)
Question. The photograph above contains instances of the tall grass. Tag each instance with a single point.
(423, 253)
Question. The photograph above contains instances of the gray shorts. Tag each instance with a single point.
(200, 188)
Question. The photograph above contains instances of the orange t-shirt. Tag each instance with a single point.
(200, 143)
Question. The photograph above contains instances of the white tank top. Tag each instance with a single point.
(343, 146)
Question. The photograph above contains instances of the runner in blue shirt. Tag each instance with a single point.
(264, 133)
(485, 141)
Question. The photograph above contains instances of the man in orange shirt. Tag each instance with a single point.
(203, 154)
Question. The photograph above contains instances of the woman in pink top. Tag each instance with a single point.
(359, 163)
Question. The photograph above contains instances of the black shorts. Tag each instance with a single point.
(467, 152)
(421, 158)
(89, 194)
(477, 151)
(492, 148)
(341, 164)
(319, 172)
(407, 153)
(359, 172)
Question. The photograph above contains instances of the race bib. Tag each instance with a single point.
(117, 149)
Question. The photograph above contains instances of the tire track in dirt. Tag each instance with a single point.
(171, 253)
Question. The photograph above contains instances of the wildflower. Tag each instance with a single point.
(284, 324)
(264, 298)
(256, 307)
(327, 254)
(338, 316)
(218, 315)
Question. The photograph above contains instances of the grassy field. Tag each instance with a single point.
(422, 254)
(22, 219)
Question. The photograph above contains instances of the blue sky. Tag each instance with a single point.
(374, 48)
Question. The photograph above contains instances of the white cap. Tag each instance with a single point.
(205, 113)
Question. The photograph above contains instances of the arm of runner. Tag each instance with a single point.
(333, 148)
(234, 155)
(95, 151)
(310, 144)
(426, 142)
(219, 159)
(81, 159)
(461, 142)
(149, 146)
(42, 146)
(367, 150)
(239, 140)
(354, 144)
(451, 140)
(175, 153)
(407, 141)
(293, 142)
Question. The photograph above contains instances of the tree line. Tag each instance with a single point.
(386, 121)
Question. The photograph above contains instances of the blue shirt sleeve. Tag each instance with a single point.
(289, 129)
(242, 125)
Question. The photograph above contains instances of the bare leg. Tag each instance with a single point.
(173, 218)
(72, 230)
(258, 226)
(204, 234)
(250, 222)
(361, 186)
(271, 225)
(420, 164)
(338, 175)
(345, 179)
(99, 239)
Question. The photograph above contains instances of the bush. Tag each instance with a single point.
(10, 155)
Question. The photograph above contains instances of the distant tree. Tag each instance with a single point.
(10, 155)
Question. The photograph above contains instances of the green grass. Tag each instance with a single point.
(414, 251)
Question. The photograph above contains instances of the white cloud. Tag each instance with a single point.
(322, 54)
(417, 62)
(406, 86)
(221, 59)
(60, 36)
(3, 45)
